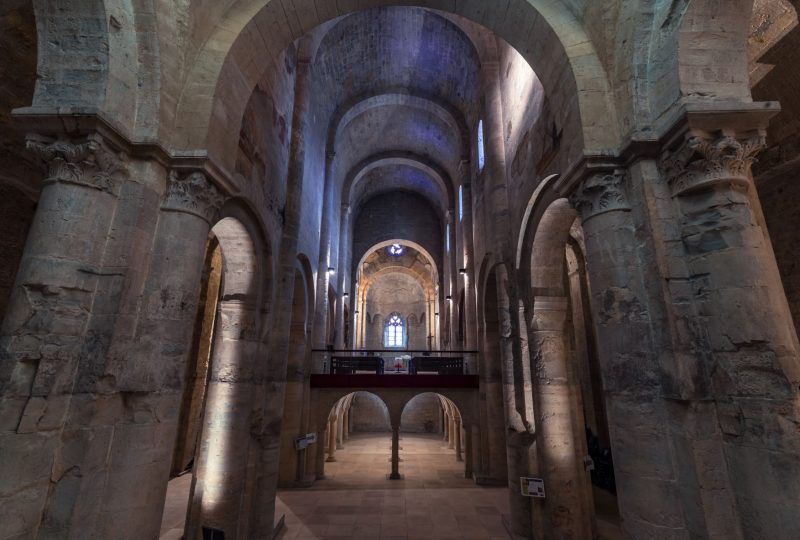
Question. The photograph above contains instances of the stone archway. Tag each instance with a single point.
(220, 480)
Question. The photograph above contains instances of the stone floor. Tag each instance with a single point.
(432, 501)
(174, 517)
(355, 500)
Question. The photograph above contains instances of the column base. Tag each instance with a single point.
(394, 476)
(330, 460)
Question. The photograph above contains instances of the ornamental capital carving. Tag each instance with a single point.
(193, 194)
(601, 193)
(706, 160)
(89, 163)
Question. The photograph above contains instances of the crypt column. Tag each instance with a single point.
(560, 436)
(468, 457)
(458, 439)
(451, 432)
(739, 349)
(340, 429)
(395, 453)
(331, 439)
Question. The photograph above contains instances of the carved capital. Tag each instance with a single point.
(193, 194)
(90, 163)
(601, 193)
(704, 161)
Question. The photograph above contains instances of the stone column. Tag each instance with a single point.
(740, 352)
(152, 363)
(451, 432)
(331, 440)
(395, 453)
(468, 457)
(44, 340)
(468, 260)
(560, 436)
(508, 435)
(340, 430)
(458, 439)
(342, 273)
(322, 443)
(647, 492)
(346, 423)
(323, 278)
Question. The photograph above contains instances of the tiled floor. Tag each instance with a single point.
(432, 501)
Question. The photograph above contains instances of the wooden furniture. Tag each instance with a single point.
(348, 365)
(441, 366)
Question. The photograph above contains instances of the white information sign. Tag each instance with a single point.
(532, 487)
(304, 441)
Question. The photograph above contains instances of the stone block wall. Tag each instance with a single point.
(389, 216)
(422, 415)
(369, 414)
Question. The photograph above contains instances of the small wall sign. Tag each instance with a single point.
(532, 487)
(304, 441)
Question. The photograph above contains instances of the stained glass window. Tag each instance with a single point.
(481, 150)
(395, 249)
(394, 332)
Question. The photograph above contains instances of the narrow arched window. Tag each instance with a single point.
(394, 332)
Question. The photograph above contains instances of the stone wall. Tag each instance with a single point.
(369, 414)
(423, 414)
(389, 216)
(396, 293)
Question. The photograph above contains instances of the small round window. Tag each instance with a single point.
(395, 249)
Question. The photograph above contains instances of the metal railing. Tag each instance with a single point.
(393, 362)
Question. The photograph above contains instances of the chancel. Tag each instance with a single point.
(424, 269)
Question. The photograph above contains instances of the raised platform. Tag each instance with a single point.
(367, 381)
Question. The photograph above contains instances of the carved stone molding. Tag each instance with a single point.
(193, 194)
(90, 163)
(704, 161)
(601, 193)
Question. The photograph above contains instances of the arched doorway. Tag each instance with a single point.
(222, 397)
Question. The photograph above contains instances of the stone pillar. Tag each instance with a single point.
(560, 437)
(331, 440)
(468, 457)
(342, 273)
(451, 432)
(445, 425)
(153, 363)
(346, 423)
(289, 344)
(647, 492)
(44, 341)
(323, 277)
(340, 430)
(740, 353)
(457, 425)
(322, 443)
(468, 260)
(395, 453)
